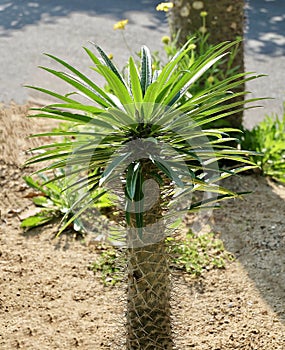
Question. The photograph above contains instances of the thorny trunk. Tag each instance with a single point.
(148, 299)
(148, 291)
(224, 22)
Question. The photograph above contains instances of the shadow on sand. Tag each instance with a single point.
(254, 230)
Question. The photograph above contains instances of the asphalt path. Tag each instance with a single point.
(59, 27)
(265, 54)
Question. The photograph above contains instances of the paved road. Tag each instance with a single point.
(265, 53)
(29, 28)
(60, 27)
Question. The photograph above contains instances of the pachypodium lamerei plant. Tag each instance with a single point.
(151, 152)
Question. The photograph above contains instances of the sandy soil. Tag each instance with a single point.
(50, 300)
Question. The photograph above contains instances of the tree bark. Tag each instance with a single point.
(148, 291)
(224, 22)
(148, 299)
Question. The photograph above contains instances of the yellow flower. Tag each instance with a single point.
(211, 79)
(203, 13)
(110, 56)
(121, 24)
(192, 47)
(165, 39)
(164, 6)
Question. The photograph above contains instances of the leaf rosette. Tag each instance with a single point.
(146, 141)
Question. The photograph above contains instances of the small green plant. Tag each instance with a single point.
(107, 265)
(49, 197)
(268, 139)
(55, 203)
(198, 253)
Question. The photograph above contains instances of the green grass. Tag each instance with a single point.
(268, 138)
(108, 265)
(197, 254)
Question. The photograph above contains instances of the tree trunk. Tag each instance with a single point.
(148, 291)
(148, 299)
(224, 22)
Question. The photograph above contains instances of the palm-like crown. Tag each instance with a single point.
(148, 124)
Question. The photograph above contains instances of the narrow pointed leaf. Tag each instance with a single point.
(135, 81)
(87, 91)
(101, 93)
(109, 63)
(131, 180)
(166, 169)
(117, 161)
(146, 69)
